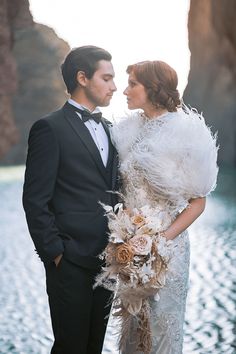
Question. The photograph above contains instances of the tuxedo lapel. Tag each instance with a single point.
(84, 134)
(111, 148)
(113, 155)
(105, 126)
(115, 169)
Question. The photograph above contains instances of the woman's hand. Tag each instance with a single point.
(186, 218)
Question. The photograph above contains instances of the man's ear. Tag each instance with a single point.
(81, 78)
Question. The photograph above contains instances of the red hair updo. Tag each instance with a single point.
(160, 81)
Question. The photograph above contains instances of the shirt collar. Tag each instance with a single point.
(76, 104)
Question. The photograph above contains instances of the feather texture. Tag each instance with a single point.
(175, 155)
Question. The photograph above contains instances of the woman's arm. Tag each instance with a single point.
(186, 218)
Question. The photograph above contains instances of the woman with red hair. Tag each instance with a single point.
(167, 160)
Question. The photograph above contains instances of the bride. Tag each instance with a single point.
(168, 158)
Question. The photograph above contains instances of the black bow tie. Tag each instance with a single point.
(86, 115)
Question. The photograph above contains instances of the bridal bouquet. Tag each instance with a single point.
(137, 257)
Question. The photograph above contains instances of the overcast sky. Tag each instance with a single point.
(132, 30)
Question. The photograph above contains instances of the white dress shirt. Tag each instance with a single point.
(97, 132)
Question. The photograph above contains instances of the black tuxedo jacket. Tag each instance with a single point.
(64, 181)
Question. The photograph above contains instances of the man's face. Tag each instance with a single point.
(100, 88)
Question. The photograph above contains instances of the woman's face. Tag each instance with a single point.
(136, 94)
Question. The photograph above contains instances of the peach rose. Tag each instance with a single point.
(138, 220)
(141, 244)
(124, 253)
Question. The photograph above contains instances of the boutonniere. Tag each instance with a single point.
(109, 124)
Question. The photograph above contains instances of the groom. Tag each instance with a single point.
(71, 166)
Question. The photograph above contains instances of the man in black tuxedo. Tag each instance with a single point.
(71, 166)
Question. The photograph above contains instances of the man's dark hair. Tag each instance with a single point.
(82, 59)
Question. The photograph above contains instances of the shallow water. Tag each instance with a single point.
(210, 322)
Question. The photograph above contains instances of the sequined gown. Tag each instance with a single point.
(167, 314)
(160, 163)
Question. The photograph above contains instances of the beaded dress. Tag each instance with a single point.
(167, 160)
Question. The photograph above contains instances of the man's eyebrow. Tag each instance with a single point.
(109, 75)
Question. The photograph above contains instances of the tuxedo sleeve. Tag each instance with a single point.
(40, 178)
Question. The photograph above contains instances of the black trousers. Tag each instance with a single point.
(79, 313)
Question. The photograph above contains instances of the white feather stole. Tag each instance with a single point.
(175, 154)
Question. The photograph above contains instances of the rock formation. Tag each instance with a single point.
(14, 15)
(212, 79)
(31, 84)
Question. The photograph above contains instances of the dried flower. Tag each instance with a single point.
(138, 220)
(124, 253)
(137, 258)
(141, 244)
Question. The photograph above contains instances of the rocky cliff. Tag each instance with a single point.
(31, 84)
(212, 78)
(14, 15)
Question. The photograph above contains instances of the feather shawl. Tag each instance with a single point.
(175, 154)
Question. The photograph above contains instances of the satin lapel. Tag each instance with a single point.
(112, 154)
(105, 126)
(85, 136)
(115, 169)
(111, 148)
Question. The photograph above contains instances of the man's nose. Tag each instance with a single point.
(114, 88)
